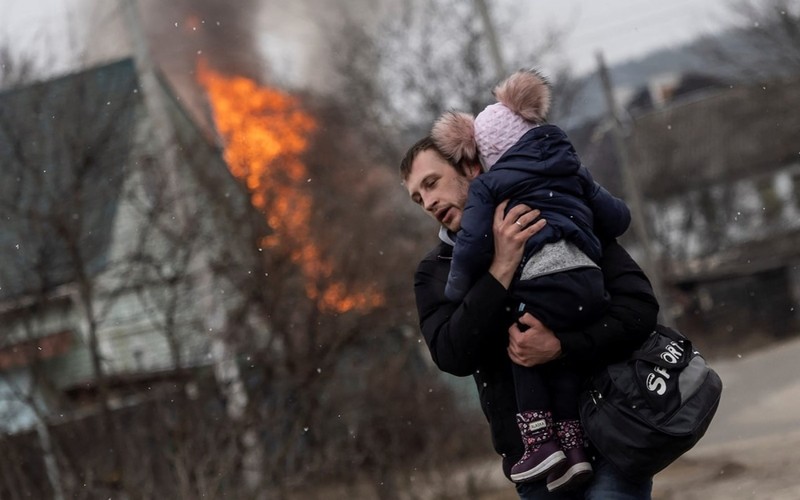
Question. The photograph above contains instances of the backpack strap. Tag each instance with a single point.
(672, 334)
(666, 348)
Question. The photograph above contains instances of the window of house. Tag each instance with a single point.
(796, 189)
(771, 203)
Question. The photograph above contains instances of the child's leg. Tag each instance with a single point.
(564, 301)
(531, 390)
(563, 386)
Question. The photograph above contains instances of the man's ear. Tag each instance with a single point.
(472, 169)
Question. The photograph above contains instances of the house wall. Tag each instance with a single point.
(751, 289)
(167, 220)
(708, 219)
(727, 315)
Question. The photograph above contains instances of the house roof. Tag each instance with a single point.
(64, 145)
(741, 260)
(729, 135)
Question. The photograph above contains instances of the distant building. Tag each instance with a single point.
(719, 168)
(723, 176)
(668, 89)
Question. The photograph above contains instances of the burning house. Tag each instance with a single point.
(135, 235)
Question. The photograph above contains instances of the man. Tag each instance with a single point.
(479, 335)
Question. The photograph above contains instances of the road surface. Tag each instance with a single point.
(752, 448)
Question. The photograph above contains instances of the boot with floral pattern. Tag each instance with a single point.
(542, 451)
(577, 469)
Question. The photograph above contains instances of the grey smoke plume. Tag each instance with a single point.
(179, 31)
(268, 40)
(278, 43)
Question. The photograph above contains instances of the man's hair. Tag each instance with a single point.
(421, 145)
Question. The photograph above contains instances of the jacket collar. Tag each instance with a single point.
(447, 237)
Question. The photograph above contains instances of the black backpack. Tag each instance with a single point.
(643, 413)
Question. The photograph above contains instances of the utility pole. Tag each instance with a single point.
(491, 35)
(633, 194)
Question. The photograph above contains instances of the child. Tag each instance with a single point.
(559, 282)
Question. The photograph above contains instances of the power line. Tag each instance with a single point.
(662, 15)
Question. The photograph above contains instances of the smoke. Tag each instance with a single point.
(180, 31)
(270, 41)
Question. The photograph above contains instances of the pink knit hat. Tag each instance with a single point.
(497, 128)
(523, 101)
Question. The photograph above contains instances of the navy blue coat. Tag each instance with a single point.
(543, 171)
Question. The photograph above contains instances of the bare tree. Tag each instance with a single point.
(14, 69)
(396, 77)
(92, 236)
(333, 285)
(398, 74)
(764, 40)
(65, 154)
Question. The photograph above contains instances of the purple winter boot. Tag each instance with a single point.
(542, 452)
(577, 469)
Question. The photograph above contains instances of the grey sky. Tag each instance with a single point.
(622, 29)
(628, 29)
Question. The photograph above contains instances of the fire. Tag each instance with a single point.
(265, 133)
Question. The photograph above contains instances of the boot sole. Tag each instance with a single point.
(572, 477)
(542, 469)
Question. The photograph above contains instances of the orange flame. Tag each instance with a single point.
(265, 132)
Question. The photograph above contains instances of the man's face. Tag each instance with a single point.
(438, 188)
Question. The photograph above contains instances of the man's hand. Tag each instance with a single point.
(511, 231)
(535, 346)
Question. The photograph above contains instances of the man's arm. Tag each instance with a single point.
(459, 333)
(629, 320)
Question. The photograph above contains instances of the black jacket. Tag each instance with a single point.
(470, 337)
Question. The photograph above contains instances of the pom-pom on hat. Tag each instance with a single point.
(454, 135)
(523, 102)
